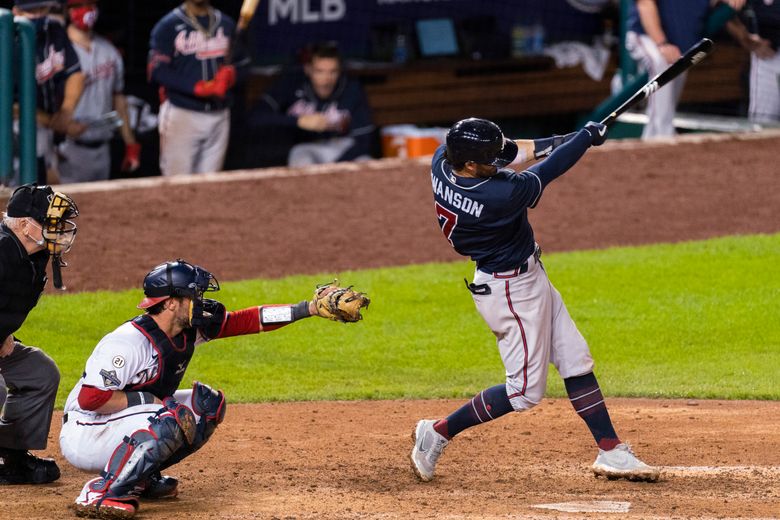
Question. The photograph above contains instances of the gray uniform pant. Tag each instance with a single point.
(83, 163)
(28, 387)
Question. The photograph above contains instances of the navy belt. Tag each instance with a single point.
(64, 418)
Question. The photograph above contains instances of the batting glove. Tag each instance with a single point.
(597, 131)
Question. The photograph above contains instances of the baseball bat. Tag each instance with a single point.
(248, 9)
(694, 55)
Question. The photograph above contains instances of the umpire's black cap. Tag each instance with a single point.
(30, 200)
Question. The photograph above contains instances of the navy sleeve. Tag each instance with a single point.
(562, 158)
(240, 59)
(526, 190)
(271, 109)
(72, 63)
(361, 127)
(161, 51)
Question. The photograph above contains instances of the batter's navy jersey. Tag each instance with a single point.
(181, 54)
(487, 218)
(683, 21)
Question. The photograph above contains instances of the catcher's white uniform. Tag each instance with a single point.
(123, 358)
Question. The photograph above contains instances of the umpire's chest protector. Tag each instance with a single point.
(173, 356)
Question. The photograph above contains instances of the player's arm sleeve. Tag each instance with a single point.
(159, 64)
(271, 108)
(361, 128)
(562, 158)
(119, 77)
(241, 58)
(72, 63)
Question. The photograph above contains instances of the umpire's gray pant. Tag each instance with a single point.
(28, 387)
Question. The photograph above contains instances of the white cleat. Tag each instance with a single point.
(621, 462)
(428, 447)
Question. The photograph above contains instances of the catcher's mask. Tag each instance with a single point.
(52, 211)
(480, 141)
(178, 278)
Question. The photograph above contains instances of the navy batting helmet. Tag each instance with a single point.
(480, 141)
(176, 278)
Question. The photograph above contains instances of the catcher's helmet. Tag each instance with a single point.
(176, 278)
(480, 141)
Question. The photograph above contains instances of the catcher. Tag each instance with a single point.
(126, 418)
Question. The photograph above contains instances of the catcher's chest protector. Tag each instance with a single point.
(173, 356)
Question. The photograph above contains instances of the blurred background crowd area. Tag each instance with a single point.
(536, 67)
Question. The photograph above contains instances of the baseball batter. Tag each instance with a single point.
(188, 49)
(482, 208)
(85, 155)
(126, 416)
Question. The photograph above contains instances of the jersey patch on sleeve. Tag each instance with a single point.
(110, 378)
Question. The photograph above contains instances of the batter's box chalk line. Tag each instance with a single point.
(590, 506)
(699, 471)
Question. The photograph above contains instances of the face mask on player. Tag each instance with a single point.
(84, 17)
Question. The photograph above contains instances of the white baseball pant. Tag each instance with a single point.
(765, 89)
(88, 440)
(533, 329)
(662, 105)
(192, 141)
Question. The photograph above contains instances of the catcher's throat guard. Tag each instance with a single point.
(59, 232)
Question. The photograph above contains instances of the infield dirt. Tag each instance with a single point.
(335, 460)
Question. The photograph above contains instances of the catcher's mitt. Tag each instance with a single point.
(339, 303)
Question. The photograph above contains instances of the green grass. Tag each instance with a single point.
(696, 319)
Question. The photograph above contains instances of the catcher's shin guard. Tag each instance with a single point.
(140, 454)
(210, 404)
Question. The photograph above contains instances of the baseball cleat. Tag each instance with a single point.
(158, 486)
(92, 503)
(428, 447)
(621, 462)
(22, 467)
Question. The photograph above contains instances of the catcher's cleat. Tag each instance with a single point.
(621, 462)
(159, 486)
(22, 467)
(95, 504)
(428, 447)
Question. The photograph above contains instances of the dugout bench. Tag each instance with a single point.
(443, 91)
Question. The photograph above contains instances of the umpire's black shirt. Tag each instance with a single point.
(22, 279)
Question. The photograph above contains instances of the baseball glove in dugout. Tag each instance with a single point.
(339, 303)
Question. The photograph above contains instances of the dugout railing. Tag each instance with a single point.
(17, 81)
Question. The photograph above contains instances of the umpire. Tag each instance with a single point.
(34, 228)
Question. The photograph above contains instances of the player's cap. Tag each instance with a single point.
(480, 141)
(34, 4)
(30, 200)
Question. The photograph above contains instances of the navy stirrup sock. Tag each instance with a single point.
(588, 401)
(487, 405)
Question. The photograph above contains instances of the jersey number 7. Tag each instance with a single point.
(447, 221)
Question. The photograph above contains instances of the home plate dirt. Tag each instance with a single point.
(350, 460)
